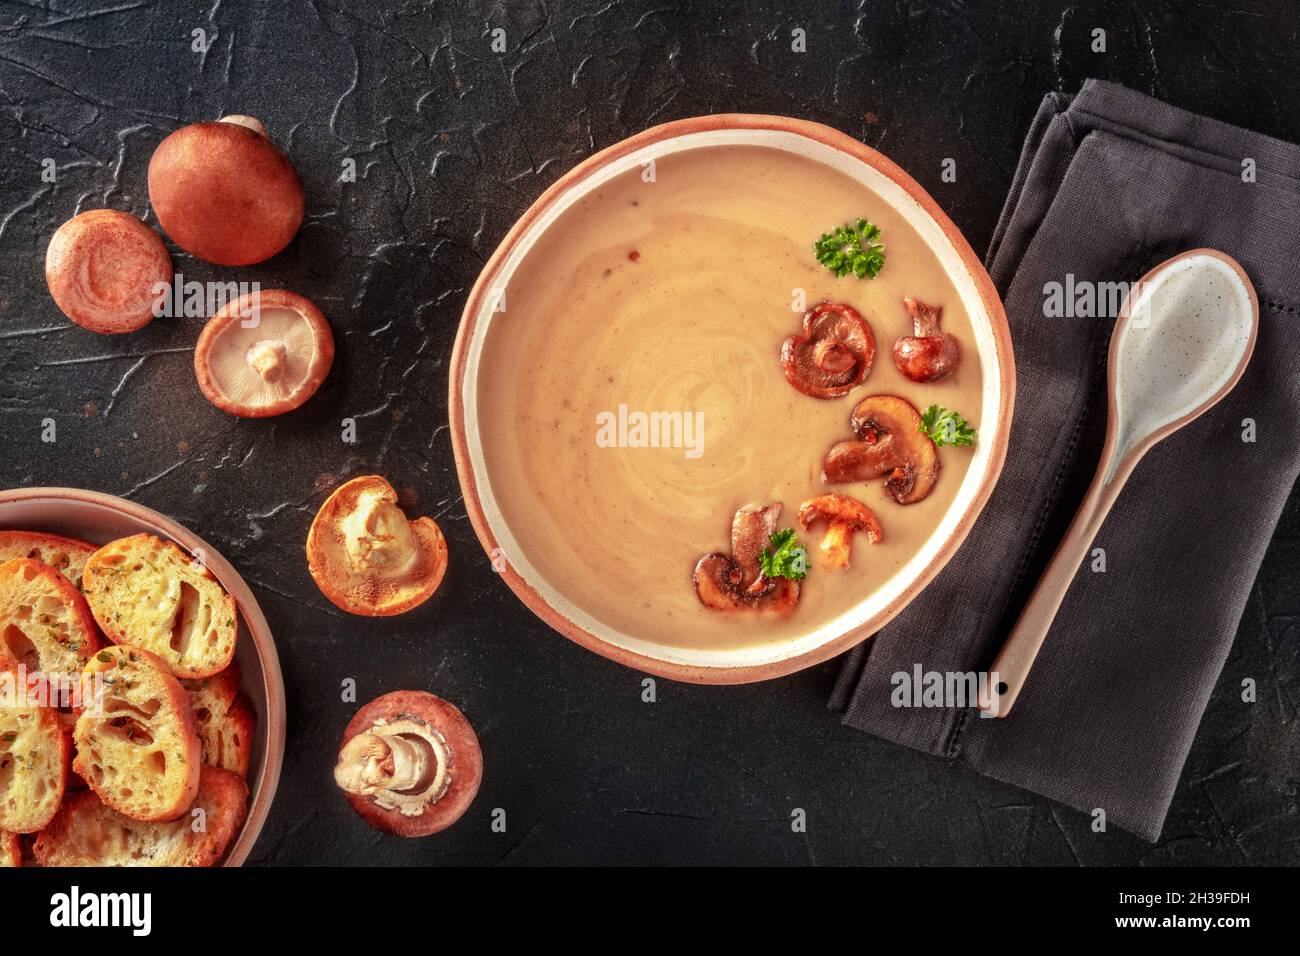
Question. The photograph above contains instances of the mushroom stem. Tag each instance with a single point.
(925, 318)
(248, 122)
(837, 545)
(267, 358)
(380, 759)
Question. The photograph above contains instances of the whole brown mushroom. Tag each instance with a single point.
(263, 354)
(410, 764)
(223, 191)
(928, 355)
(106, 270)
(736, 582)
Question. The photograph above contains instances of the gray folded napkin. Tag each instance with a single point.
(1110, 183)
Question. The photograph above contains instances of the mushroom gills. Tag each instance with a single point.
(263, 361)
(834, 353)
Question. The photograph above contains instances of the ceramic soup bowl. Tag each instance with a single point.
(818, 148)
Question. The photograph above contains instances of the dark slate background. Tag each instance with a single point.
(452, 142)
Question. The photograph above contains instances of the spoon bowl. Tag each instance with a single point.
(1181, 342)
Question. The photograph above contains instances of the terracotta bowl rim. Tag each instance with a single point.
(261, 798)
(997, 441)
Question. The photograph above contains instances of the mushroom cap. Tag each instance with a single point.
(103, 268)
(890, 441)
(465, 765)
(928, 355)
(841, 510)
(367, 558)
(833, 355)
(224, 192)
(269, 367)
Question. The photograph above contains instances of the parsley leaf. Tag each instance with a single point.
(853, 247)
(946, 427)
(786, 558)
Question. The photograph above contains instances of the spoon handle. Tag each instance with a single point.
(1017, 655)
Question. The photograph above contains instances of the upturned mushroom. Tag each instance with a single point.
(410, 764)
(928, 355)
(736, 582)
(367, 557)
(263, 354)
(833, 355)
(105, 268)
(225, 193)
(843, 516)
(890, 442)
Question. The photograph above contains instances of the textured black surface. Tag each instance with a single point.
(452, 142)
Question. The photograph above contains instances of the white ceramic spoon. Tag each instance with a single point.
(1181, 341)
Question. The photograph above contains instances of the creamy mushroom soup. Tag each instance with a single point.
(673, 297)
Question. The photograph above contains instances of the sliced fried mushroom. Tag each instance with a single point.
(105, 268)
(928, 355)
(736, 582)
(410, 764)
(843, 516)
(833, 355)
(891, 443)
(263, 354)
(225, 193)
(367, 557)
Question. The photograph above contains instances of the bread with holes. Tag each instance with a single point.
(11, 850)
(138, 747)
(65, 555)
(68, 724)
(45, 623)
(148, 593)
(226, 720)
(34, 758)
(87, 833)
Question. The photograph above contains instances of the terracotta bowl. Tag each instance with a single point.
(99, 518)
(993, 346)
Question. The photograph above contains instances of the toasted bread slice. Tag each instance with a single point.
(87, 833)
(11, 850)
(217, 692)
(65, 555)
(68, 724)
(45, 623)
(34, 758)
(148, 593)
(226, 720)
(139, 747)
